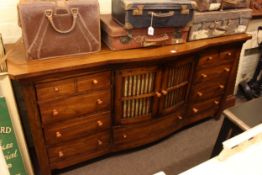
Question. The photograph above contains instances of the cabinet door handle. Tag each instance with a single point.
(226, 69)
(195, 110)
(99, 123)
(164, 92)
(158, 94)
(60, 154)
(203, 76)
(99, 142)
(210, 58)
(180, 117)
(55, 112)
(216, 102)
(95, 82)
(99, 101)
(124, 136)
(58, 134)
(221, 86)
(229, 53)
(200, 94)
(56, 89)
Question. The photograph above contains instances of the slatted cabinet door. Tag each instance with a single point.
(175, 85)
(137, 94)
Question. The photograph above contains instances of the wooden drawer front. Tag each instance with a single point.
(140, 134)
(219, 72)
(77, 127)
(198, 108)
(72, 152)
(75, 106)
(227, 54)
(55, 89)
(207, 90)
(208, 58)
(94, 82)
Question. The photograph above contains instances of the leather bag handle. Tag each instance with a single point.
(49, 15)
(162, 15)
(154, 41)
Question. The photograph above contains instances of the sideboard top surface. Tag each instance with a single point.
(20, 68)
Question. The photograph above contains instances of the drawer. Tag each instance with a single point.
(209, 90)
(94, 82)
(70, 129)
(219, 72)
(75, 106)
(53, 90)
(227, 54)
(79, 150)
(208, 58)
(131, 136)
(198, 108)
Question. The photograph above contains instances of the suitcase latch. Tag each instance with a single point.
(184, 10)
(138, 11)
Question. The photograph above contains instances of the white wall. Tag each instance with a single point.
(8, 18)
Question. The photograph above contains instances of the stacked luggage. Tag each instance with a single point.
(214, 18)
(143, 23)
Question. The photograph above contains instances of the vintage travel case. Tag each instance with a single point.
(206, 5)
(118, 38)
(219, 23)
(144, 13)
(59, 27)
(256, 6)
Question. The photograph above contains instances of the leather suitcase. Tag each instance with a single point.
(59, 27)
(206, 5)
(256, 6)
(219, 23)
(142, 13)
(235, 4)
(118, 38)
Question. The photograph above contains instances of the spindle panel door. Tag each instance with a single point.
(136, 90)
(176, 80)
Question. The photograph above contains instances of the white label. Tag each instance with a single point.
(151, 31)
(241, 29)
(214, 6)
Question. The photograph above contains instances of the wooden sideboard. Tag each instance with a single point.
(85, 106)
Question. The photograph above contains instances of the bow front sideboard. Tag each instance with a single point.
(85, 106)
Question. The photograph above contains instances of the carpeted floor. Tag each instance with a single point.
(172, 155)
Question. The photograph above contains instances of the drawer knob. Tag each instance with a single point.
(99, 142)
(95, 82)
(58, 134)
(210, 58)
(216, 102)
(56, 89)
(203, 75)
(229, 53)
(99, 123)
(124, 136)
(226, 69)
(60, 154)
(158, 94)
(55, 112)
(164, 92)
(200, 94)
(195, 110)
(180, 117)
(99, 101)
(221, 86)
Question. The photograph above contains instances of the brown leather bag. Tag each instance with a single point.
(59, 27)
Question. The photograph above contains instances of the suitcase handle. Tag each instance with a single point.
(154, 41)
(162, 15)
(49, 15)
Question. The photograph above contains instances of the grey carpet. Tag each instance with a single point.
(175, 154)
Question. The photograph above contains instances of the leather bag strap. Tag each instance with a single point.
(49, 15)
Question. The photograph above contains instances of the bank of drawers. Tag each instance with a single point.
(209, 83)
(76, 117)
